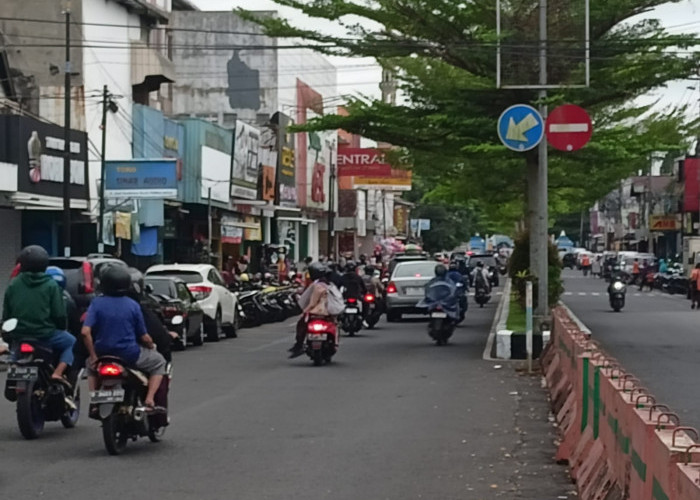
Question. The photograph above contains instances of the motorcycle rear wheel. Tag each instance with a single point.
(70, 419)
(114, 434)
(317, 357)
(29, 416)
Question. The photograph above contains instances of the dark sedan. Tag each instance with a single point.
(177, 300)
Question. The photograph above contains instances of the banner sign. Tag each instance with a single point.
(399, 180)
(664, 223)
(143, 179)
(366, 162)
(286, 164)
(246, 162)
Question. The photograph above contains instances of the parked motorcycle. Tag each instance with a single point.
(321, 340)
(373, 309)
(616, 293)
(38, 396)
(120, 396)
(351, 319)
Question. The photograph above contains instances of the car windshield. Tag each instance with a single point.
(422, 269)
(161, 287)
(186, 276)
(488, 260)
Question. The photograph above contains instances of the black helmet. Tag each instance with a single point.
(317, 271)
(440, 270)
(33, 259)
(136, 287)
(453, 265)
(369, 270)
(480, 264)
(350, 267)
(363, 258)
(115, 281)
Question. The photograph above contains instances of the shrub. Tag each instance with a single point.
(519, 271)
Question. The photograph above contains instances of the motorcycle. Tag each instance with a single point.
(442, 303)
(321, 340)
(351, 319)
(119, 398)
(463, 302)
(481, 295)
(373, 310)
(38, 396)
(616, 293)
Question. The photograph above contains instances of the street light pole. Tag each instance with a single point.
(331, 178)
(66, 138)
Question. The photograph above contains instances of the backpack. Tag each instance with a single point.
(334, 300)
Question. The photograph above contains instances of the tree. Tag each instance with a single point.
(443, 53)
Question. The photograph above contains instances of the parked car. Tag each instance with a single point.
(83, 275)
(406, 288)
(176, 300)
(209, 290)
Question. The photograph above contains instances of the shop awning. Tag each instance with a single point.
(303, 220)
(244, 225)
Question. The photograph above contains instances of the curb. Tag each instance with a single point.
(499, 323)
(581, 325)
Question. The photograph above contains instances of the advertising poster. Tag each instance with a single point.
(145, 179)
(286, 166)
(320, 155)
(246, 162)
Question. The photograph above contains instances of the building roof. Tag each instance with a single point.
(184, 5)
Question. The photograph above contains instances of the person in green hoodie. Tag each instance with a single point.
(36, 301)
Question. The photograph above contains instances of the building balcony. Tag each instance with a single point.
(149, 69)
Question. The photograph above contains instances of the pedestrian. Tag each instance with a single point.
(694, 283)
(635, 271)
(596, 267)
(585, 264)
(663, 266)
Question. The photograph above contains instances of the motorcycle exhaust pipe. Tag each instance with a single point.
(139, 413)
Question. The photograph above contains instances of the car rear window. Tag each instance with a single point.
(425, 269)
(161, 287)
(66, 264)
(186, 276)
(488, 260)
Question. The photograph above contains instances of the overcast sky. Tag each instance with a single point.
(360, 76)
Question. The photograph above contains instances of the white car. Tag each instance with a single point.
(209, 290)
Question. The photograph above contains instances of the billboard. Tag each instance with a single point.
(321, 154)
(367, 162)
(144, 179)
(268, 164)
(399, 180)
(286, 164)
(691, 195)
(246, 162)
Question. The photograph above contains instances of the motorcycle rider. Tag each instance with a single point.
(480, 277)
(353, 284)
(451, 303)
(454, 274)
(36, 301)
(118, 325)
(314, 303)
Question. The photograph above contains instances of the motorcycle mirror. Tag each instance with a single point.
(10, 325)
(177, 320)
(385, 281)
(149, 288)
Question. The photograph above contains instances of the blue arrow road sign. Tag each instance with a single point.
(521, 128)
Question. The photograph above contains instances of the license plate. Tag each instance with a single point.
(22, 373)
(438, 315)
(372, 306)
(414, 291)
(103, 396)
(317, 336)
(287, 301)
(316, 345)
(351, 310)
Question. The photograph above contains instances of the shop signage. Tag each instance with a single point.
(664, 223)
(366, 162)
(399, 180)
(37, 149)
(142, 179)
(286, 165)
(245, 162)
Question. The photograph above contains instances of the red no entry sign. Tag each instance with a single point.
(568, 128)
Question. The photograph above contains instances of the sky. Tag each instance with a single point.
(361, 76)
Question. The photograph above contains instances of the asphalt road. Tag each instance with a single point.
(394, 417)
(656, 337)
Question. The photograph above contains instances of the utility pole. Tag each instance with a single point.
(539, 237)
(66, 138)
(209, 224)
(331, 232)
(105, 98)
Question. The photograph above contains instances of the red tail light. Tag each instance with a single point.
(88, 278)
(369, 298)
(15, 271)
(200, 292)
(391, 288)
(110, 370)
(26, 348)
(169, 311)
(351, 300)
(319, 326)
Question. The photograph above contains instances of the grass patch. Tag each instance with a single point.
(516, 316)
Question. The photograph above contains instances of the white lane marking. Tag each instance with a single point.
(568, 293)
(568, 127)
(582, 294)
(637, 294)
(595, 294)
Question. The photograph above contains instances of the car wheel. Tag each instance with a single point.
(231, 330)
(183, 336)
(198, 339)
(214, 329)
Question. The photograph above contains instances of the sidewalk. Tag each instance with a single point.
(527, 469)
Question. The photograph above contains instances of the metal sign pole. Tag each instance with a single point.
(528, 323)
(541, 230)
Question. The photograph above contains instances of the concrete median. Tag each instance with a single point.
(620, 443)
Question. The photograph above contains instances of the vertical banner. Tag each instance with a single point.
(321, 156)
(268, 164)
(286, 165)
(246, 162)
